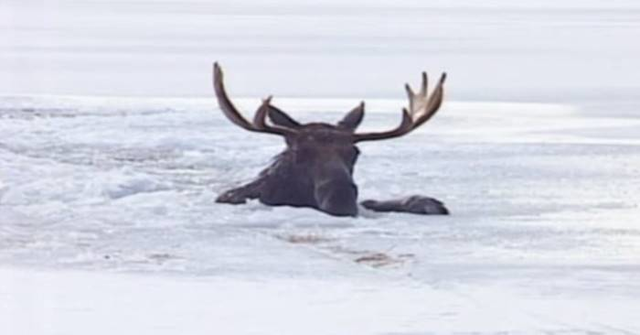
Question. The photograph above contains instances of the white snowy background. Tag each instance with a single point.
(112, 152)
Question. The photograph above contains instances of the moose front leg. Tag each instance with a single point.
(240, 194)
(414, 204)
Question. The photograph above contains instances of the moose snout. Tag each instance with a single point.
(337, 196)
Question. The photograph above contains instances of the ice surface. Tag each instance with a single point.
(55, 303)
(107, 215)
(544, 218)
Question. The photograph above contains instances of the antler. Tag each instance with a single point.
(259, 121)
(421, 108)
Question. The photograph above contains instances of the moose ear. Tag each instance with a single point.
(280, 118)
(352, 120)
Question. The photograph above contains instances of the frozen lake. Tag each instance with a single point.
(544, 218)
(113, 151)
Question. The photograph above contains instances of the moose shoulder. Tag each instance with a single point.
(316, 168)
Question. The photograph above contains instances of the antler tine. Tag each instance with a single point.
(230, 111)
(410, 93)
(260, 120)
(425, 84)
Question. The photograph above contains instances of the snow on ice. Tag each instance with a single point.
(112, 152)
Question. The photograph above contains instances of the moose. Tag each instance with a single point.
(316, 168)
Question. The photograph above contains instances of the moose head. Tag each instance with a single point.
(316, 168)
